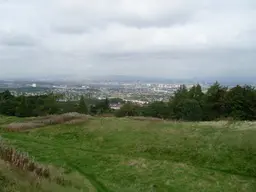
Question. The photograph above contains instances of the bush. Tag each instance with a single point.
(156, 109)
(127, 109)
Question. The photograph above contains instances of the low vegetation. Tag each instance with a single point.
(124, 154)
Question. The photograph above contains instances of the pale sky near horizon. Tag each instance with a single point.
(159, 38)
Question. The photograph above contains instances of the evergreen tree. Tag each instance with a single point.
(190, 110)
(181, 93)
(196, 93)
(175, 102)
(23, 110)
(214, 102)
(82, 107)
(106, 105)
(7, 103)
(50, 104)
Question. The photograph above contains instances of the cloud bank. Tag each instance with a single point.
(160, 38)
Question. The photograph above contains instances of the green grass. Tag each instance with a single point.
(5, 120)
(130, 155)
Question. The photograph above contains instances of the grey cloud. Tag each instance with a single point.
(17, 40)
(69, 29)
(147, 37)
(164, 21)
(87, 26)
(78, 20)
(181, 64)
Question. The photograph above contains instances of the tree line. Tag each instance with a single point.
(218, 102)
(40, 105)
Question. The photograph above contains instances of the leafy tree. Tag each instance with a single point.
(156, 109)
(240, 103)
(190, 110)
(6, 95)
(214, 102)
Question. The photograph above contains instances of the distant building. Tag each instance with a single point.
(33, 85)
(137, 102)
(115, 106)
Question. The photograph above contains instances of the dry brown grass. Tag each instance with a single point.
(146, 118)
(22, 161)
(68, 118)
(13, 162)
(76, 121)
(23, 126)
(107, 115)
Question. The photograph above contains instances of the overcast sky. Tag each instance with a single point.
(160, 38)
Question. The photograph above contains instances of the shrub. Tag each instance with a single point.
(127, 109)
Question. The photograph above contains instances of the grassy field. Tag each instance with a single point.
(110, 154)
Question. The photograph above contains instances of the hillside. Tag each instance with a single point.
(111, 154)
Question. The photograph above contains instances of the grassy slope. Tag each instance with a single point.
(14, 180)
(128, 155)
